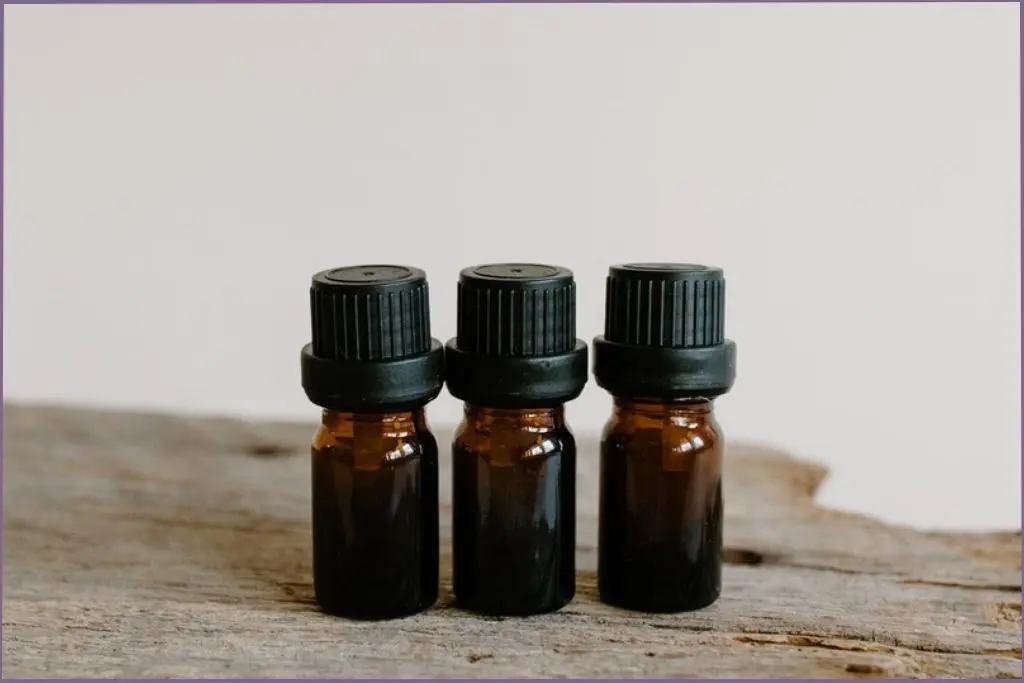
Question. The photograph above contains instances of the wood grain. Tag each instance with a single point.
(161, 546)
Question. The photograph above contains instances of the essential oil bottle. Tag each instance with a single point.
(664, 358)
(373, 366)
(515, 362)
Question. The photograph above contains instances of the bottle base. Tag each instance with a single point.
(510, 610)
(374, 612)
(655, 604)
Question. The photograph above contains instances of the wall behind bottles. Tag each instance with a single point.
(174, 175)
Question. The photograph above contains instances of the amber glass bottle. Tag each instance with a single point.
(372, 366)
(515, 362)
(664, 358)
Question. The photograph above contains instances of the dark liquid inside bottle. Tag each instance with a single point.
(514, 521)
(660, 545)
(375, 524)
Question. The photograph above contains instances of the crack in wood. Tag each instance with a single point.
(1001, 587)
(269, 450)
(861, 645)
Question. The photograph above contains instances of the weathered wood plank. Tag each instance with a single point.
(145, 545)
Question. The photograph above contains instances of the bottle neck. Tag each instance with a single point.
(349, 424)
(529, 419)
(680, 413)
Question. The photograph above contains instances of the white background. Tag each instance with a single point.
(174, 176)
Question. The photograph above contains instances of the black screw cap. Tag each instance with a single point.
(370, 313)
(371, 348)
(516, 344)
(665, 333)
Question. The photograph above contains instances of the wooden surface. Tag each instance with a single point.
(140, 545)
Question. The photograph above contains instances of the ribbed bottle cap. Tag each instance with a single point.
(665, 304)
(371, 348)
(665, 333)
(516, 343)
(370, 313)
(516, 309)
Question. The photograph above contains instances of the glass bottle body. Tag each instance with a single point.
(375, 518)
(514, 511)
(660, 528)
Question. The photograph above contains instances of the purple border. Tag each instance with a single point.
(3, 175)
(494, 2)
(413, 2)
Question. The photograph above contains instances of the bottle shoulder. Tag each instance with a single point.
(374, 448)
(681, 434)
(510, 444)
